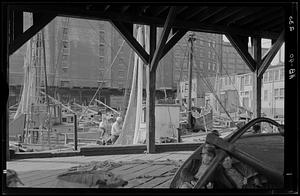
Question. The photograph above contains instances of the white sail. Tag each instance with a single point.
(131, 125)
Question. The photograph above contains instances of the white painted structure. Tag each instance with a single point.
(272, 93)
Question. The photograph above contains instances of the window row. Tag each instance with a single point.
(273, 75)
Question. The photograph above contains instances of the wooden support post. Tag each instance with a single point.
(75, 132)
(190, 75)
(150, 100)
(256, 88)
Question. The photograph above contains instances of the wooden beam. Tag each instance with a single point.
(39, 23)
(264, 64)
(150, 99)
(241, 45)
(163, 38)
(127, 34)
(172, 41)
(256, 87)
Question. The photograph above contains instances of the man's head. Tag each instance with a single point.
(119, 120)
(227, 163)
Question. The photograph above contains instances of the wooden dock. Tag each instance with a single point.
(152, 171)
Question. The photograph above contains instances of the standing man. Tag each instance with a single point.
(116, 129)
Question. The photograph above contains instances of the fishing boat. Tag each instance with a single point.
(257, 158)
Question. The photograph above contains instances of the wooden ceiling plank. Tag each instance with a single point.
(258, 16)
(210, 13)
(125, 8)
(229, 14)
(192, 12)
(246, 13)
(181, 9)
(106, 8)
(269, 21)
(158, 11)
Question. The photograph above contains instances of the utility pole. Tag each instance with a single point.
(190, 75)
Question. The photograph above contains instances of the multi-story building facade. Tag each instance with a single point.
(272, 91)
(84, 55)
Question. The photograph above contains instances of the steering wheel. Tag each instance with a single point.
(225, 146)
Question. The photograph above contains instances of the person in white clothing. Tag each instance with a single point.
(116, 129)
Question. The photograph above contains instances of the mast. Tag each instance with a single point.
(190, 75)
(46, 86)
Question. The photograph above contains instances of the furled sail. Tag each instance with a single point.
(131, 125)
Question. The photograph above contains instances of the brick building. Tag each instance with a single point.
(82, 55)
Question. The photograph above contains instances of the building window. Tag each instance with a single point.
(213, 43)
(266, 75)
(201, 64)
(64, 83)
(101, 25)
(226, 81)
(277, 94)
(201, 53)
(65, 33)
(281, 93)
(208, 67)
(101, 50)
(214, 66)
(276, 73)
(247, 80)
(213, 55)
(101, 60)
(65, 69)
(101, 36)
(281, 77)
(265, 95)
(209, 54)
(121, 74)
(64, 57)
(271, 75)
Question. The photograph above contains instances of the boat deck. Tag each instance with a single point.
(156, 171)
